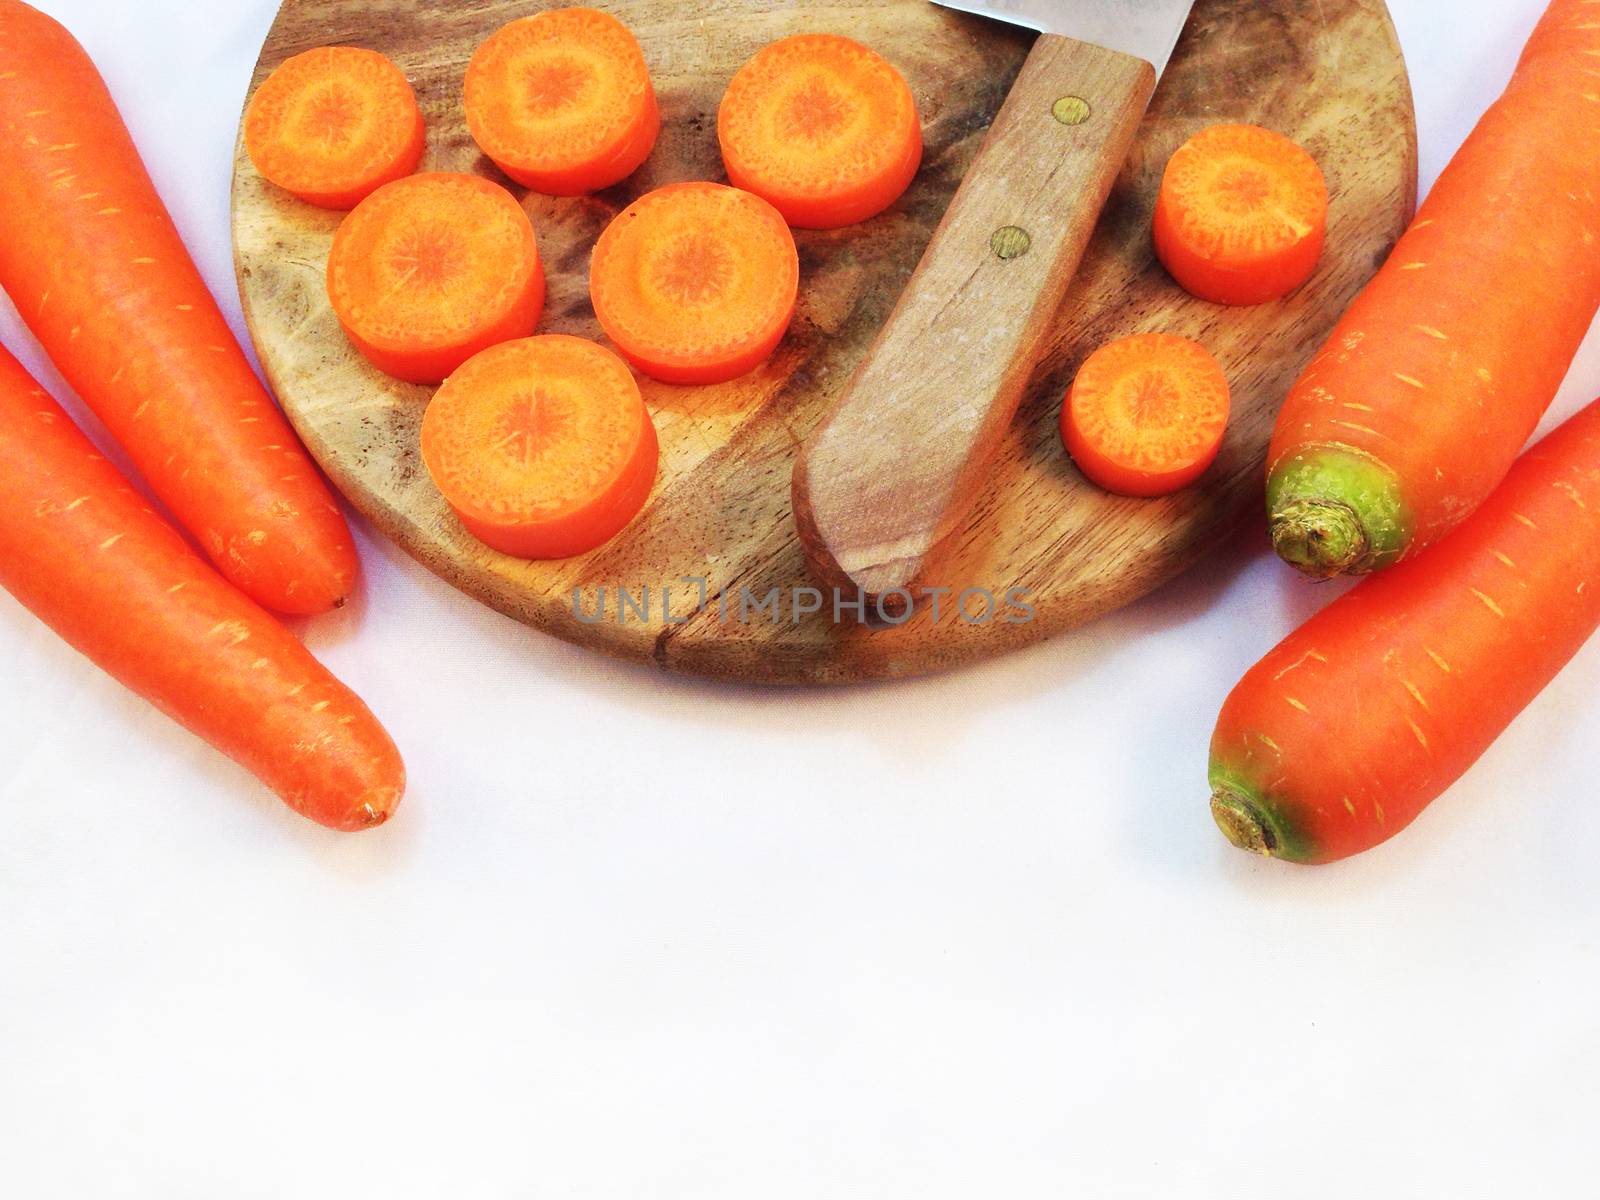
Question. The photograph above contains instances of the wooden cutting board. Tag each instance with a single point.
(1328, 73)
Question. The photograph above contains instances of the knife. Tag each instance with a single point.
(886, 482)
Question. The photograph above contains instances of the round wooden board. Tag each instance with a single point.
(1328, 74)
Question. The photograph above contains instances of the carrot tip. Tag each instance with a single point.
(371, 814)
(1336, 511)
(1242, 823)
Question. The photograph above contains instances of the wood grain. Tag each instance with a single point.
(1328, 74)
(903, 457)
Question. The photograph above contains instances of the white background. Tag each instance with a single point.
(635, 937)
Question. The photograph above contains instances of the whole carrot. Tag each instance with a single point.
(90, 258)
(82, 550)
(1441, 369)
(1344, 733)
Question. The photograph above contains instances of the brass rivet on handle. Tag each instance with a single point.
(1071, 110)
(1011, 241)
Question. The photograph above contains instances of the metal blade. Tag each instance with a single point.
(1146, 29)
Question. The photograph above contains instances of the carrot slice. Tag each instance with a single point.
(333, 125)
(562, 101)
(1241, 215)
(696, 282)
(823, 128)
(542, 446)
(427, 271)
(1146, 414)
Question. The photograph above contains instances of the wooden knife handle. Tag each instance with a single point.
(883, 484)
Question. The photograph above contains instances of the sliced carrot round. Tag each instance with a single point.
(542, 446)
(562, 101)
(823, 128)
(696, 282)
(333, 125)
(1241, 215)
(1146, 414)
(430, 270)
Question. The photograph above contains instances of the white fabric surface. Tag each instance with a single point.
(634, 936)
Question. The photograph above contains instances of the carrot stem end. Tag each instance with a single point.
(1319, 537)
(1336, 511)
(1241, 822)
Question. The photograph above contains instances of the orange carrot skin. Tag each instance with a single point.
(1441, 369)
(90, 257)
(1347, 730)
(81, 549)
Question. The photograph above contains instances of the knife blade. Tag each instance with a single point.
(890, 478)
(1147, 29)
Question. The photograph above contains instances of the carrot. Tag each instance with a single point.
(1346, 731)
(427, 271)
(543, 447)
(90, 257)
(696, 282)
(1441, 369)
(1241, 215)
(1146, 414)
(83, 551)
(333, 125)
(823, 128)
(562, 101)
